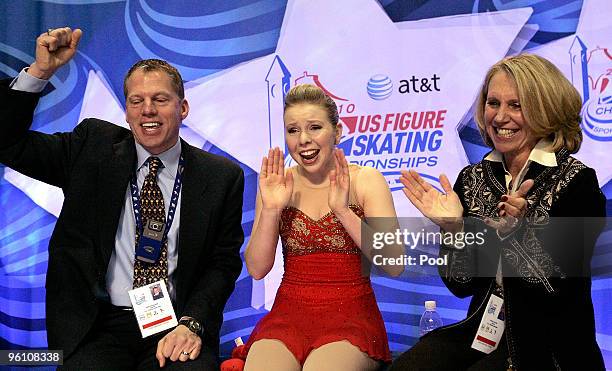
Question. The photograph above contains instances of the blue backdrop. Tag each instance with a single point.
(203, 38)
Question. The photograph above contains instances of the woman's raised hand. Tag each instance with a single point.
(275, 187)
(444, 209)
(511, 210)
(339, 184)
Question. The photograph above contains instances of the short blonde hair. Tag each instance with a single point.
(550, 103)
(150, 65)
(312, 94)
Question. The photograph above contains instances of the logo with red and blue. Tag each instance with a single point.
(592, 73)
(387, 141)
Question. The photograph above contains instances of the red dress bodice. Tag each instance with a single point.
(324, 296)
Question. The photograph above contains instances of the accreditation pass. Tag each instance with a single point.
(153, 308)
(491, 326)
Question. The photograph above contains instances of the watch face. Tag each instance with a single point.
(195, 326)
(192, 325)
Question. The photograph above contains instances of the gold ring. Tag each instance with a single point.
(49, 31)
(185, 353)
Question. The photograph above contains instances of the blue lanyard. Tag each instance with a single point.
(176, 190)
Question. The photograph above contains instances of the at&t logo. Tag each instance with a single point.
(380, 87)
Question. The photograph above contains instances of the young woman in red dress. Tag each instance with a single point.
(325, 315)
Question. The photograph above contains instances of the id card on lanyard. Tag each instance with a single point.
(154, 233)
(153, 308)
(491, 326)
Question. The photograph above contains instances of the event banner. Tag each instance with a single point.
(403, 74)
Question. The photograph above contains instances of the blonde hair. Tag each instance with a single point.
(311, 94)
(549, 102)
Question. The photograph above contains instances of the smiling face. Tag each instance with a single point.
(154, 111)
(504, 120)
(311, 138)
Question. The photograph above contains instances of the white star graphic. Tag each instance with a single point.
(240, 110)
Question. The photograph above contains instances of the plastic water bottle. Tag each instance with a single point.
(430, 319)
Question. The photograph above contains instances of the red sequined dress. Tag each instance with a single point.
(323, 296)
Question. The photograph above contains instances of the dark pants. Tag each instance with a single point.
(449, 349)
(115, 343)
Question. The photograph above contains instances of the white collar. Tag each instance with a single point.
(169, 158)
(542, 154)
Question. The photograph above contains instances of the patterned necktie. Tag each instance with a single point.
(152, 207)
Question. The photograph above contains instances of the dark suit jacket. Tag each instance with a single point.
(93, 165)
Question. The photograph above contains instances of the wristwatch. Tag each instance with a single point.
(192, 324)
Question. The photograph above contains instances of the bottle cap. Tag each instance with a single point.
(430, 305)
